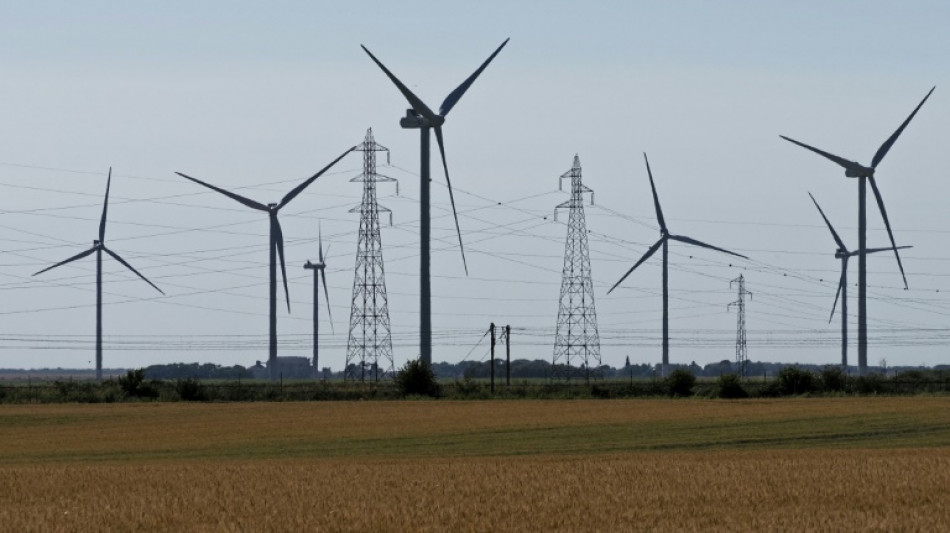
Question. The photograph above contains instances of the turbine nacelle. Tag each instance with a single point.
(859, 171)
(414, 120)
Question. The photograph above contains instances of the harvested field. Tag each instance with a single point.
(819, 464)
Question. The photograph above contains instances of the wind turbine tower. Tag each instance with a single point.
(370, 340)
(275, 248)
(422, 118)
(742, 359)
(665, 237)
(866, 176)
(577, 341)
(319, 273)
(99, 246)
(844, 254)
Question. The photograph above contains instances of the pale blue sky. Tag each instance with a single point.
(244, 94)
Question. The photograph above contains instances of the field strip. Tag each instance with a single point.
(715, 490)
(73, 433)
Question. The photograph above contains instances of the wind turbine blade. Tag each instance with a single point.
(105, 207)
(455, 95)
(299, 188)
(646, 256)
(688, 240)
(888, 249)
(246, 201)
(656, 199)
(413, 100)
(71, 259)
(128, 266)
(445, 167)
(828, 223)
(320, 243)
(840, 160)
(844, 274)
(326, 296)
(280, 254)
(882, 151)
(887, 224)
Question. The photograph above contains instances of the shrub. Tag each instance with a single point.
(520, 388)
(468, 387)
(729, 386)
(794, 380)
(869, 384)
(417, 378)
(190, 390)
(76, 391)
(680, 382)
(832, 379)
(133, 385)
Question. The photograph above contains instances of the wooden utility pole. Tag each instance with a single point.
(492, 330)
(507, 357)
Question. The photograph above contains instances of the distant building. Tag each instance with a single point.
(259, 371)
(287, 368)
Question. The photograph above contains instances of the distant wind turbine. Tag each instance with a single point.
(275, 247)
(422, 118)
(319, 274)
(99, 246)
(864, 175)
(665, 237)
(844, 254)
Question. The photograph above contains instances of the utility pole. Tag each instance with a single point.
(742, 359)
(491, 328)
(507, 357)
(577, 341)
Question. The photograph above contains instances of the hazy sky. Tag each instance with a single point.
(257, 96)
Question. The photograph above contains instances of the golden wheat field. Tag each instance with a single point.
(844, 464)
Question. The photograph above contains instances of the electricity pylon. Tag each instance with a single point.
(369, 349)
(577, 341)
(742, 359)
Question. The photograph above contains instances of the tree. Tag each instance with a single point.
(680, 382)
(417, 378)
(832, 379)
(794, 380)
(133, 385)
(729, 386)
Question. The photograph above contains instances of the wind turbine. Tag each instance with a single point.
(318, 273)
(99, 246)
(422, 118)
(665, 237)
(864, 175)
(275, 247)
(844, 254)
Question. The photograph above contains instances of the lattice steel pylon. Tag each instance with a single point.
(577, 342)
(369, 348)
(742, 358)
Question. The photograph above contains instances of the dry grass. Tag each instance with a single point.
(841, 464)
